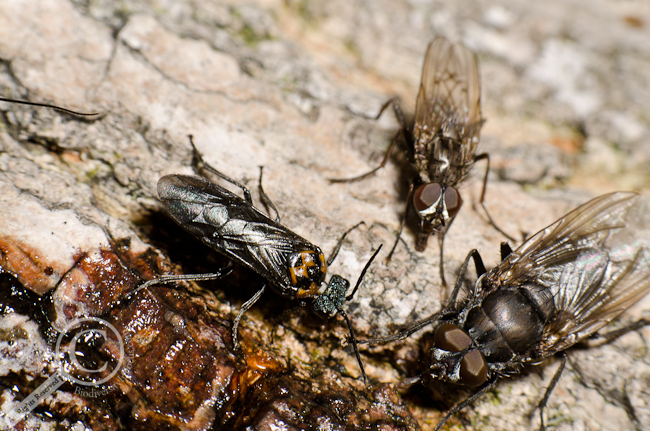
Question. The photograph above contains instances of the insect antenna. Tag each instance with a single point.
(352, 338)
(363, 272)
(355, 345)
(46, 105)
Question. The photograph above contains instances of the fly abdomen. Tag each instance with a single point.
(508, 322)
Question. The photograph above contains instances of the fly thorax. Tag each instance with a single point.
(505, 325)
(307, 270)
(455, 359)
(330, 302)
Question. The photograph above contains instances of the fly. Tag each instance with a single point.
(292, 266)
(232, 226)
(442, 144)
(559, 287)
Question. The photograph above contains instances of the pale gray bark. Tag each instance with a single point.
(282, 84)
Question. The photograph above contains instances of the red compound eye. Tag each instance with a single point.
(473, 371)
(451, 338)
(426, 195)
(453, 201)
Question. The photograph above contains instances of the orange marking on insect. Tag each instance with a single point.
(307, 260)
(301, 270)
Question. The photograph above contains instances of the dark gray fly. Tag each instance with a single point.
(231, 225)
(443, 141)
(559, 287)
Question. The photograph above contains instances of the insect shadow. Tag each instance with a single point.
(292, 266)
(560, 286)
(442, 143)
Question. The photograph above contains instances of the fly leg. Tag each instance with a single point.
(226, 270)
(505, 250)
(458, 407)
(612, 335)
(244, 308)
(482, 200)
(401, 223)
(266, 200)
(408, 331)
(199, 164)
(448, 310)
(352, 338)
(549, 389)
(441, 240)
(480, 270)
(403, 130)
(441, 266)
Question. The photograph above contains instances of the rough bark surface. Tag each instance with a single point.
(289, 85)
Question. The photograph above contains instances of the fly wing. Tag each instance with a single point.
(590, 264)
(596, 290)
(231, 225)
(449, 98)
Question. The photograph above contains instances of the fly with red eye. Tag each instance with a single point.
(559, 287)
(442, 143)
